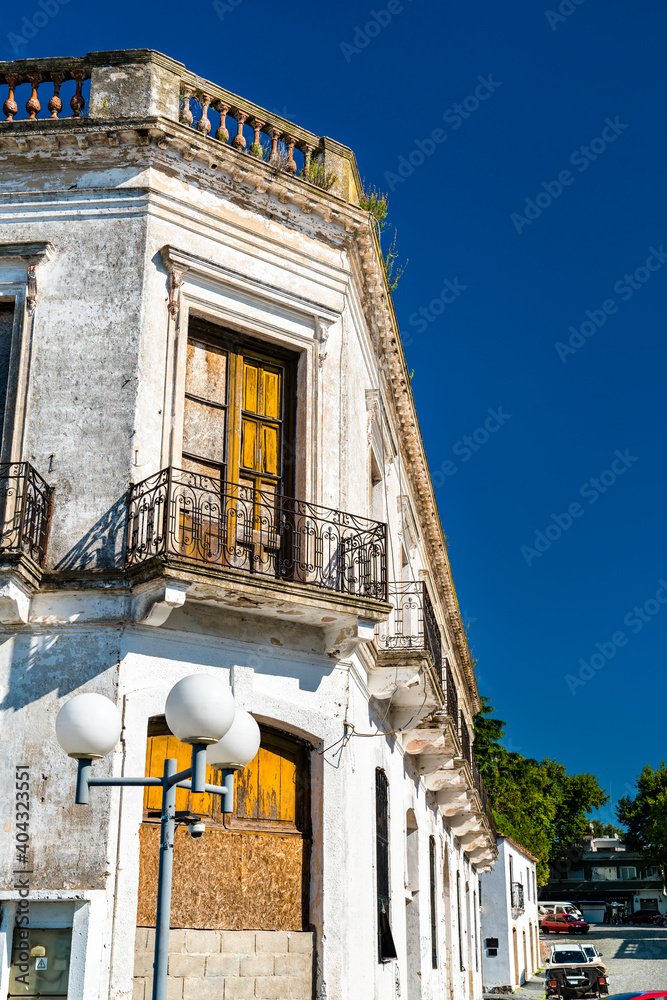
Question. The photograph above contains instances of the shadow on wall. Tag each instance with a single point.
(36, 666)
(103, 547)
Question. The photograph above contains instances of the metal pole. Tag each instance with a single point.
(227, 782)
(198, 767)
(82, 779)
(163, 913)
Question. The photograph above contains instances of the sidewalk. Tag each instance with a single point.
(532, 989)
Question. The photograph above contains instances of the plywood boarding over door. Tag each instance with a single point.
(252, 875)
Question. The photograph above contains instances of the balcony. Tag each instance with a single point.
(517, 898)
(25, 514)
(258, 552)
(25, 511)
(409, 654)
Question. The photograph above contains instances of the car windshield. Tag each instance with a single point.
(570, 955)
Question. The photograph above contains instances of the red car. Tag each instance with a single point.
(563, 923)
(643, 917)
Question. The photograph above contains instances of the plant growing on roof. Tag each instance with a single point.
(318, 176)
(257, 150)
(375, 202)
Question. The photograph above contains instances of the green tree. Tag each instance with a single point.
(645, 815)
(535, 802)
(601, 829)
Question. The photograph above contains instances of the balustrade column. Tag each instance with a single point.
(204, 125)
(307, 153)
(238, 142)
(55, 105)
(222, 134)
(33, 106)
(78, 102)
(10, 107)
(185, 114)
(290, 166)
(256, 148)
(274, 133)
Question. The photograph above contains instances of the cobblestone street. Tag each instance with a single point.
(636, 957)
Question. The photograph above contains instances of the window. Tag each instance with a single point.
(432, 885)
(386, 948)
(627, 873)
(603, 874)
(528, 883)
(250, 870)
(6, 330)
(238, 411)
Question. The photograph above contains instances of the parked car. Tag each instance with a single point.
(563, 923)
(544, 908)
(643, 917)
(570, 975)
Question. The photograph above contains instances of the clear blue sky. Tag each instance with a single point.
(595, 78)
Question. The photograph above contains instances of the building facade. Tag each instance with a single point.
(211, 463)
(607, 882)
(510, 922)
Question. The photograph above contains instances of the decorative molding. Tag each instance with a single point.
(31, 297)
(372, 406)
(153, 603)
(322, 327)
(30, 254)
(175, 283)
(341, 642)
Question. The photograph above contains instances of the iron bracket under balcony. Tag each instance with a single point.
(191, 538)
(25, 514)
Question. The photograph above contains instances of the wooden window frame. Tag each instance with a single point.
(238, 347)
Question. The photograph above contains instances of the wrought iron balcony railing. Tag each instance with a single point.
(198, 519)
(412, 623)
(25, 510)
(466, 746)
(517, 896)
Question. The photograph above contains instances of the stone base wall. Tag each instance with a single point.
(229, 965)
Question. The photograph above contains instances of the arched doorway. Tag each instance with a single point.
(515, 947)
(533, 966)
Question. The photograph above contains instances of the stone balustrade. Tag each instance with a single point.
(32, 73)
(145, 86)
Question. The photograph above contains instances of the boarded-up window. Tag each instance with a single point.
(249, 871)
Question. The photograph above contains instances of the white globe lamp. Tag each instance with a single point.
(238, 746)
(200, 709)
(88, 726)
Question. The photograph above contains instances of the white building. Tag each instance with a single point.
(510, 923)
(199, 356)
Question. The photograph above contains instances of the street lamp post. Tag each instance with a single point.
(200, 710)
